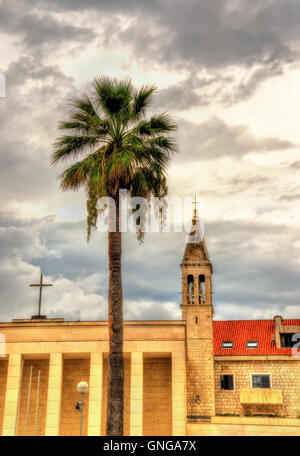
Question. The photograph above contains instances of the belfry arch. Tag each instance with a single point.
(201, 289)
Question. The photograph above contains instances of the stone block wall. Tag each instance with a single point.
(285, 376)
(249, 426)
(74, 371)
(43, 366)
(200, 379)
(157, 397)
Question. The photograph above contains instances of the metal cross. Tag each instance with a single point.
(195, 202)
(40, 285)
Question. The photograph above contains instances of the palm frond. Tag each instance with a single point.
(84, 105)
(157, 125)
(75, 125)
(73, 177)
(71, 146)
(162, 123)
(121, 148)
(113, 96)
(165, 143)
(142, 100)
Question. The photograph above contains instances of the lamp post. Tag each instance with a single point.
(82, 388)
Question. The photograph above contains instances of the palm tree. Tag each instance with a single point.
(120, 149)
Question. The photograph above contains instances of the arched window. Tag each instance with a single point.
(190, 289)
(201, 288)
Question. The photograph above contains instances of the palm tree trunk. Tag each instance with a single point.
(114, 424)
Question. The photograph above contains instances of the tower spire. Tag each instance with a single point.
(195, 212)
(197, 312)
(195, 249)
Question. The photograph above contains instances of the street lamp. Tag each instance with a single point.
(82, 388)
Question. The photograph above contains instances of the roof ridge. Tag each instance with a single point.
(261, 319)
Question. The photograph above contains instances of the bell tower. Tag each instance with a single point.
(197, 311)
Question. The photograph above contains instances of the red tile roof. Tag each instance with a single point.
(241, 331)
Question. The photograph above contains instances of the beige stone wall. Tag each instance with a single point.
(74, 371)
(127, 366)
(190, 346)
(285, 376)
(233, 426)
(82, 332)
(157, 397)
(3, 380)
(200, 362)
(43, 366)
(200, 375)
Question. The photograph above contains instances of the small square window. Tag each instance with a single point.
(261, 381)
(252, 344)
(226, 382)
(227, 344)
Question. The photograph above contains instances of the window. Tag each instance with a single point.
(286, 340)
(226, 382)
(261, 381)
(201, 288)
(252, 344)
(227, 344)
(190, 288)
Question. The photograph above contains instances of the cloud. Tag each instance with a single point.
(37, 96)
(33, 29)
(290, 197)
(185, 95)
(214, 33)
(222, 52)
(203, 88)
(187, 36)
(23, 246)
(251, 279)
(295, 165)
(214, 138)
(152, 310)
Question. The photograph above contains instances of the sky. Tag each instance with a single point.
(229, 73)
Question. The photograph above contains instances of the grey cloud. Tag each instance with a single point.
(251, 278)
(295, 165)
(210, 33)
(34, 69)
(189, 36)
(290, 197)
(244, 89)
(241, 184)
(269, 275)
(35, 30)
(184, 95)
(214, 138)
(37, 97)
(227, 90)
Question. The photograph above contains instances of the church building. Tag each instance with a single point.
(190, 377)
